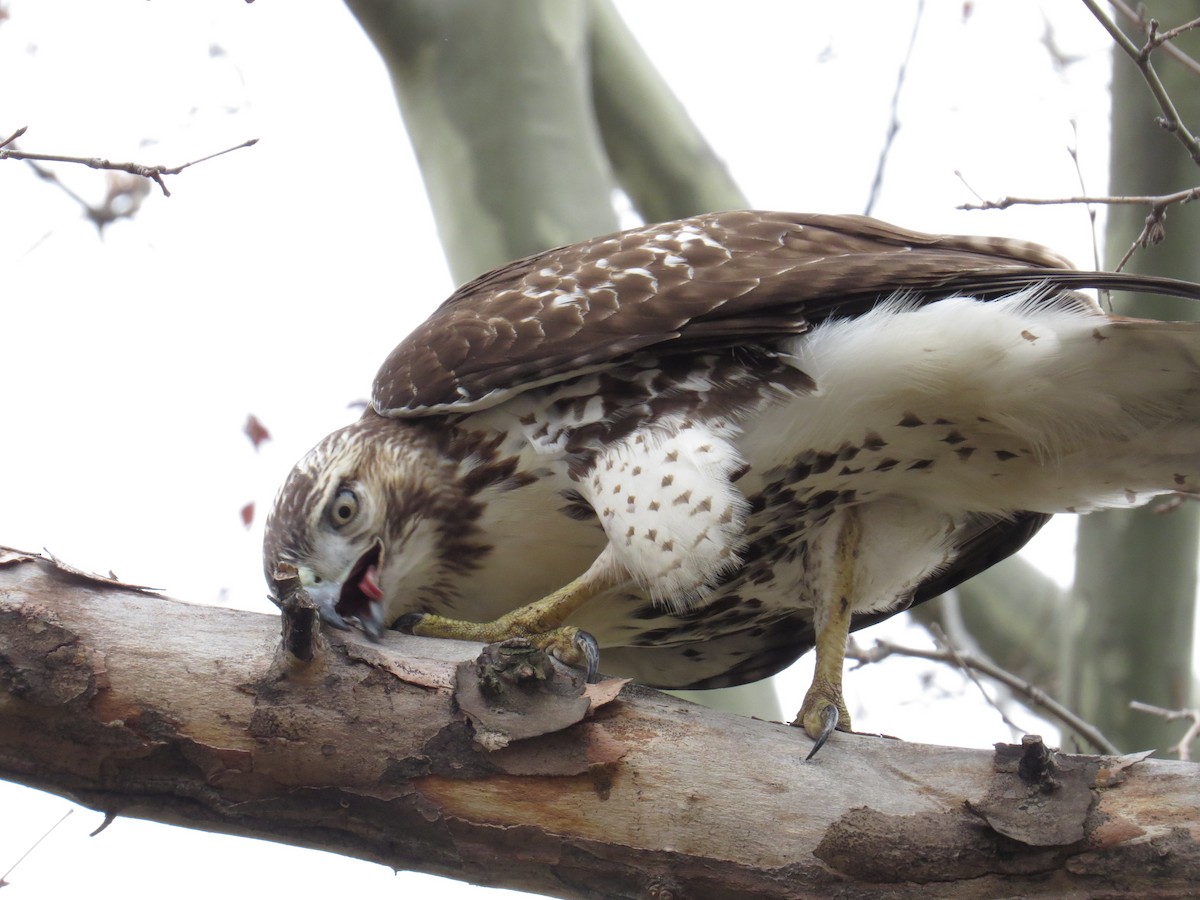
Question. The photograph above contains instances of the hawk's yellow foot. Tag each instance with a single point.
(824, 709)
(571, 645)
(822, 712)
(541, 622)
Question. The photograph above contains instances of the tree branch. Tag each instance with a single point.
(1157, 200)
(500, 122)
(1153, 230)
(659, 157)
(1170, 49)
(1183, 749)
(970, 663)
(894, 119)
(153, 173)
(134, 704)
(1171, 120)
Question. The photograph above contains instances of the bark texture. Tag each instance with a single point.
(407, 752)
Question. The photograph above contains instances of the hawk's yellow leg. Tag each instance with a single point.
(541, 622)
(824, 709)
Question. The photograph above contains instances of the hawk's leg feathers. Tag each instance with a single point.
(824, 708)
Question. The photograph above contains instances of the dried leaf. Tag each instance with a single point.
(256, 431)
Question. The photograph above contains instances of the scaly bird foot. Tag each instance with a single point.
(823, 712)
(571, 645)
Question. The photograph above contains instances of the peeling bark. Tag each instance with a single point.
(134, 704)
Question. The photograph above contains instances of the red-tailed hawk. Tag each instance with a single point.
(706, 446)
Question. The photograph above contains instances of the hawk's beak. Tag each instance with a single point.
(361, 597)
(355, 598)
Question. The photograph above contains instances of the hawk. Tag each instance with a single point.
(703, 447)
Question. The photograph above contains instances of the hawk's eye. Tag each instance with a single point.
(344, 508)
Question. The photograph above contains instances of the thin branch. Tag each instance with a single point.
(958, 658)
(1170, 120)
(1170, 49)
(12, 137)
(153, 173)
(1153, 230)
(1184, 196)
(1073, 150)
(33, 846)
(1156, 38)
(1031, 693)
(1183, 748)
(894, 121)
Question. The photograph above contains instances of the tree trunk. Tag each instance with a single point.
(1129, 626)
(393, 752)
(496, 99)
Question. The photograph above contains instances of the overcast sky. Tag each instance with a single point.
(265, 284)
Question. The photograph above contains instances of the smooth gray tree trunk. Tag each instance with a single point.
(1129, 625)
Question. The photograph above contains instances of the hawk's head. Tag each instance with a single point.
(356, 516)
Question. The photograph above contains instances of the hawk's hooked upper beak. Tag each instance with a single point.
(356, 597)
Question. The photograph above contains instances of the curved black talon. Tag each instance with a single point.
(829, 722)
(407, 622)
(590, 649)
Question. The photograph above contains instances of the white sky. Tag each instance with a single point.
(265, 285)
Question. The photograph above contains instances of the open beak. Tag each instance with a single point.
(357, 598)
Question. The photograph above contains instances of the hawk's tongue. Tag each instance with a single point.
(369, 585)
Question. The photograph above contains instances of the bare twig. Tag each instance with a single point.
(1171, 50)
(1184, 196)
(4, 877)
(894, 121)
(1156, 38)
(153, 173)
(958, 658)
(1073, 150)
(1170, 120)
(1032, 694)
(1153, 231)
(1183, 748)
(12, 137)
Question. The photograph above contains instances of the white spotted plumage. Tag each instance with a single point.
(671, 514)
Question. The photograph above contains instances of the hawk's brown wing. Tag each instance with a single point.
(713, 280)
(720, 278)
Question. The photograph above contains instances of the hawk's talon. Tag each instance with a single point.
(408, 623)
(589, 648)
(829, 722)
(823, 712)
(569, 644)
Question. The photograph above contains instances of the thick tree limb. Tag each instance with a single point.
(659, 157)
(134, 704)
(495, 98)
